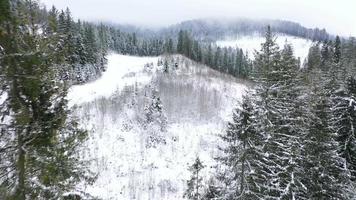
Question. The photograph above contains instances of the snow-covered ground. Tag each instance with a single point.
(197, 102)
(128, 70)
(250, 43)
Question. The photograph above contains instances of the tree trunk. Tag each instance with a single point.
(197, 185)
(243, 169)
(20, 192)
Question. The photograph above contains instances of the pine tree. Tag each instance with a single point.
(344, 123)
(337, 50)
(52, 21)
(325, 55)
(238, 71)
(209, 56)
(194, 185)
(180, 44)
(281, 121)
(326, 177)
(169, 46)
(90, 43)
(242, 153)
(155, 121)
(314, 57)
(217, 58)
(40, 142)
(225, 60)
(267, 59)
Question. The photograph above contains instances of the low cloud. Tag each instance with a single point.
(337, 17)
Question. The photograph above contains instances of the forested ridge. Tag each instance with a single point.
(215, 29)
(292, 137)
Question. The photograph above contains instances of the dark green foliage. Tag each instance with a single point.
(333, 122)
(337, 50)
(344, 123)
(226, 60)
(314, 57)
(285, 131)
(244, 142)
(39, 149)
(327, 176)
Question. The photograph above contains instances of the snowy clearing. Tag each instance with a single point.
(197, 101)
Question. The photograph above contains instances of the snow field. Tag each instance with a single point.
(197, 101)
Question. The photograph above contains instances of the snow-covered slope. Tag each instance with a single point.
(253, 42)
(197, 102)
(121, 71)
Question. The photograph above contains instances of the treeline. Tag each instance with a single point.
(79, 45)
(227, 60)
(215, 29)
(293, 137)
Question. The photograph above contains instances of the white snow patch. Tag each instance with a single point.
(3, 97)
(119, 74)
(253, 42)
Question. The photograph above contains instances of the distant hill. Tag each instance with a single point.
(215, 29)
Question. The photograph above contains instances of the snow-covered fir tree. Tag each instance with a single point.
(155, 121)
(325, 175)
(344, 123)
(244, 146)
(280, 100)
(330, 178)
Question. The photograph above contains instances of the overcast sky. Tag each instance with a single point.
(338, 17)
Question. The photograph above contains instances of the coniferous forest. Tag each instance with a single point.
(291, 135)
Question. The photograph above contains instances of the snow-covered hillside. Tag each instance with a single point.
(250, 43)
(196, 101)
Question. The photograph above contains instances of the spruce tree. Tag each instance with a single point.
(194, 184)
(180, 42)
(330, 179)
(337, 50)
(242, 153)
(314, 57)
(281, 120)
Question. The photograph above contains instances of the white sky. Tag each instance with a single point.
(337, 16)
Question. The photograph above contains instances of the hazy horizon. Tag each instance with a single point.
(159, 13)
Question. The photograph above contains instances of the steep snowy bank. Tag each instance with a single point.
(197, 102)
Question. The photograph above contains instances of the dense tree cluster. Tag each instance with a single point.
(227, 60)
(80, 46)
(293, 136)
